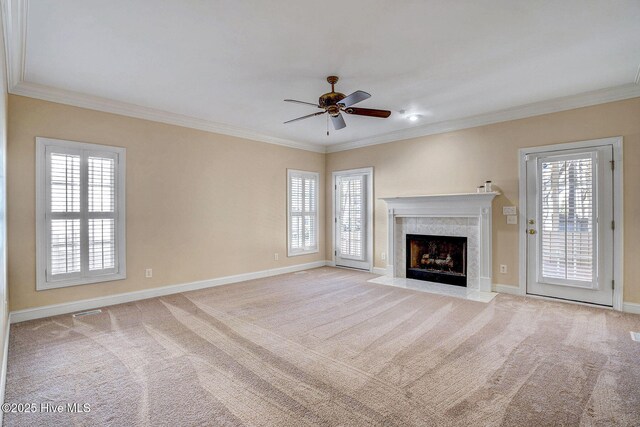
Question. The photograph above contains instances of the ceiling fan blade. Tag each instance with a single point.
(354, 98)
(305, 117)
(338, 122)
(369, 112)
(302, 102)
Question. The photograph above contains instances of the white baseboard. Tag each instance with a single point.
(88, 304)
(379, 270)
(509, 289)
(627, 307)
(330, 263)
(631, 307)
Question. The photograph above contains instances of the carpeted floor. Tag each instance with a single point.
(324, 347)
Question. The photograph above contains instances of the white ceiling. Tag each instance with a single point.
(233, 62)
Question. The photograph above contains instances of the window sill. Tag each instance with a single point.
(79, 281)
(299, 253)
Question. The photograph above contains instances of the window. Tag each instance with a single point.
(80, 213)
(303, 212)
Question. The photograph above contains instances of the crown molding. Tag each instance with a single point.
(14, 17)
(76, 99)
(616, 93)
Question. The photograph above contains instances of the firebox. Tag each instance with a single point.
(441, 259)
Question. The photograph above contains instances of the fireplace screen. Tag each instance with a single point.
(441, 259)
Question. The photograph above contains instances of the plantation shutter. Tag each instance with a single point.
(568, 212)
(101, 215)
(81, 213)
(64, 213)
(303, 212)
(351, 220)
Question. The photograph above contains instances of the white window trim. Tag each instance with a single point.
(298, 252)
(41, 205)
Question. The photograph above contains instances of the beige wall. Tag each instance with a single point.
(457, 162)
(196, 200)
(199, 205)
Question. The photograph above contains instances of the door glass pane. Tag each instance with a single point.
(567, 209)
(351, 217)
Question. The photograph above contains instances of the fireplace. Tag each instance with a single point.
(441, 259)
(460, 215)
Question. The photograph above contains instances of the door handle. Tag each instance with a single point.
(532, 231)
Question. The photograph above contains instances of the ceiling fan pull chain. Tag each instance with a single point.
(327, 125)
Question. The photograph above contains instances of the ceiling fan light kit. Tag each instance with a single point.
(334, 103)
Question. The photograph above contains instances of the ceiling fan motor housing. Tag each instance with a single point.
(331, 98)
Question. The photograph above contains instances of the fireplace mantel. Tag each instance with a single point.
(461, 205)
(431, 205)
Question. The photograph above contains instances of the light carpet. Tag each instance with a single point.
(327, 348)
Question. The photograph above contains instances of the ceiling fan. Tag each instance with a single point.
(335, 102)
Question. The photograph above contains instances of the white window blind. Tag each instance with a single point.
(101, 216)
(80, 213)
(351, 198)
(302, 212)
(64, 170)
(568, 217)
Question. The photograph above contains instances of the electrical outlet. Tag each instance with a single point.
(512, 219)
(503, 269)
(509, 210)
(383, 256)
(276, 256)
(148, 273)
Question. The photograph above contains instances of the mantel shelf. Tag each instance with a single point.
(490, 195)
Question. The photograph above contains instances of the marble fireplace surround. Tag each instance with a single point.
(467, 215)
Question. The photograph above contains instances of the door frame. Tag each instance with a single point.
(618, 196)
(365, 171)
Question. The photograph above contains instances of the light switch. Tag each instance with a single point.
(509, 210)
(512, 219)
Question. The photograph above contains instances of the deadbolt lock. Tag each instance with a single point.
(531, 221)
